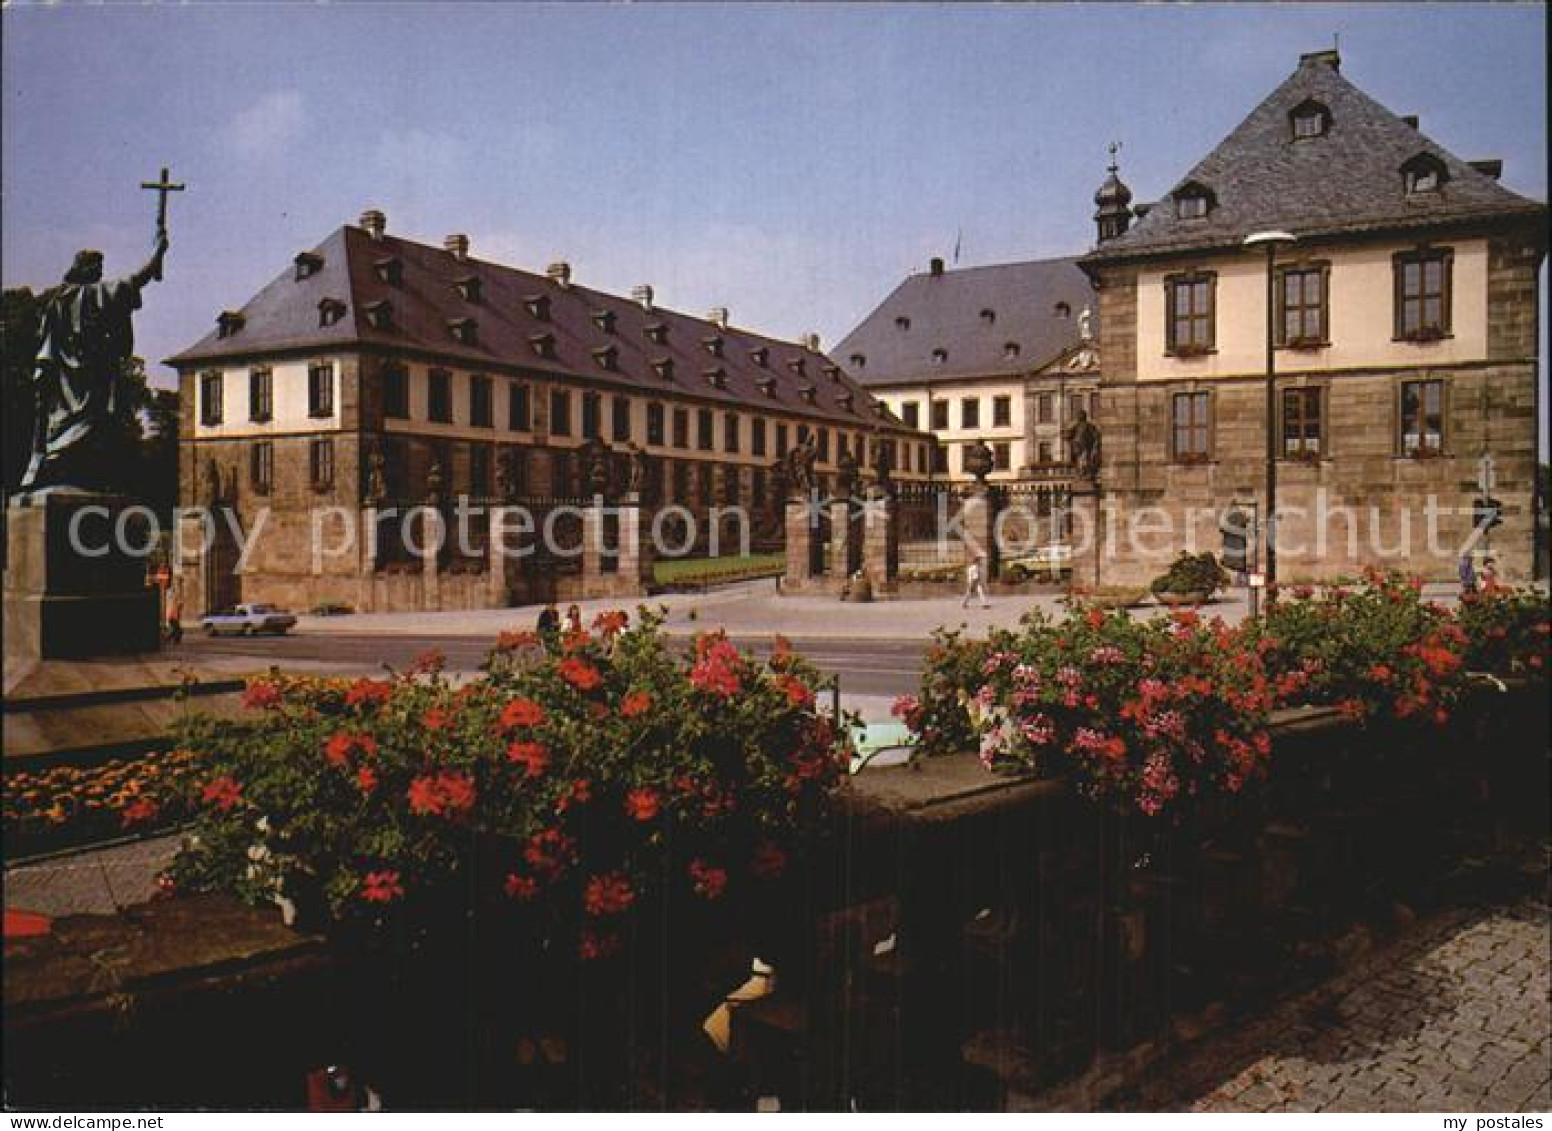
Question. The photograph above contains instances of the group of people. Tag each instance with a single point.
(1473, 580)
(551, 627)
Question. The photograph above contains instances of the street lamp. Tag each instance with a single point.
(1270, 239)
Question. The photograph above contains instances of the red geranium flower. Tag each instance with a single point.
(532, 756)
(436, 718)
(512, 641)
(368, 693)
(798, 693)
(521, 713)
(597, 944)
(446, 793)
(608, 894)
(635, 703)
(716, 668)
(579, 792)
(642, 803)
(381, 887)
(222, 792)
(769, 861)
(611, 622)
(521, 887)
(343, 744)
(548, 852)
(708, 882)
(579, 673)
(366, 779)
(262, 694)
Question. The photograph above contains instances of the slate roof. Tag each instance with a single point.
(1347, 180)
(284, 317)
(945, 312)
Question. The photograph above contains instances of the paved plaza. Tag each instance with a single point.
(1455, 1015)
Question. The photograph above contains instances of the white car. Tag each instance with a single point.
(247, 620)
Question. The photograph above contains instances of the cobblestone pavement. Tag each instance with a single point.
(1454, 1016)
(95, 882)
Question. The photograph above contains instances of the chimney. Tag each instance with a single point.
(559, 273)
(375, 223)
(1328, 58)
(811, 342)
(457, 245)
(642, 295)
(719, 317)
(1410, 119)
(936, 266)
(1489, 167)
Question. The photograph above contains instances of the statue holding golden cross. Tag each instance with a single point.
(161, 188)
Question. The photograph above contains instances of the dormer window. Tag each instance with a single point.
(379, 314)
(1309, 119)
(468, 288)
(657, 332)
(989, 316)
(465, 331)
(604, 320)
(228, 322)
(716, 378)
(1424, 173)
(1010, 351)
(607, 357)
(844, 399)
(1062, 310)
(307, 265)
(1193, 201)
(664, 368)
(859, 360)
(766, 385)
(330, 311)
(760, 356)
(902, 323)
(939, 356)
(543, 345)
(798, 365)
(713, 345)
(389, 270)
(538, 306)
(833, 372)
(808, 393)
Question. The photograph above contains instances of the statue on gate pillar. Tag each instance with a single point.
(1083, 441)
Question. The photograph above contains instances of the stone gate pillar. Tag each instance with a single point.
(979, 513)
(805, 546)
(842, 550)
(881, 541)
(433, 531)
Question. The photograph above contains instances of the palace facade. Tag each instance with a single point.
(1404, 338)
(378, 374)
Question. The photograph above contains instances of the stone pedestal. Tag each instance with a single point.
(881, 543)
(1087, 536)
(629, 542)
(805, 569)
(90, 598)
(844, 553)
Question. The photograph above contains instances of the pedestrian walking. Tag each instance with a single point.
(975, 582)
(175, 618)
(1487, 580)
(549, 626)
(573, 619)
(1468, 576)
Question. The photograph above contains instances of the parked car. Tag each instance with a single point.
(1052, 563)
(247, 620)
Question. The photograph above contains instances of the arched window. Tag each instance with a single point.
(1423, 173)
(1193, 201)
(1309, 119)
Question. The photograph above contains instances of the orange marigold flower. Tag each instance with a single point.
(642, 803)
(608, 894)
(140, 811)
(222, 792)
(521, 713)
(534, 757)
(635, 703)
(579, 673)
(381, 887)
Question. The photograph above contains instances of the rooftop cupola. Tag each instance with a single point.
(1114, 213)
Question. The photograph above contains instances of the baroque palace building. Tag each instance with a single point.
(1004, 355)
(1404, 326)
(381, 374)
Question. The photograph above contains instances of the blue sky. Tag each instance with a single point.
(791, 162)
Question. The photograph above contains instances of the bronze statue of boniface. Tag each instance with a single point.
(85, 341)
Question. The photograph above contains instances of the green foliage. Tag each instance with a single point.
(1192, 573)
(1507, 632)
(567, 790)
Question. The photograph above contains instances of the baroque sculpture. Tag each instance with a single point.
(1083, 441)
